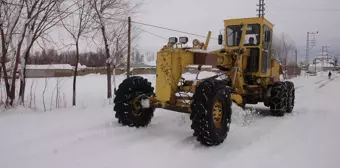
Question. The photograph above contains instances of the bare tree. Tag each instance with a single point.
(42, 15)
(20, 20)
(10, 12)
(119, 38)
(43, 94)
(107, 14)
(286, 49)
(277, 47)
(78, 26)
(283, 49)
(283, 46)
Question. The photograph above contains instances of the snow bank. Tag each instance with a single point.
(151, 63)
(81, 66)
(54, 66)
(196, 66)
(50, 66)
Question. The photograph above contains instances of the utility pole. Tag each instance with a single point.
(261, 8)
(294, 71)
(315, 65)
(328, 62)
(309, 45)
(324, 50)
(322, 55)
(335, 62)
(129, 48)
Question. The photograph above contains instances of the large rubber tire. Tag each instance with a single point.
(278, 99)
(204, 98)
(291, 96)
(129, 89)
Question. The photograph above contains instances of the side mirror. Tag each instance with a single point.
(267, 36)
(220, 39)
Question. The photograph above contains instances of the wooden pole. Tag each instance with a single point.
(129, 48)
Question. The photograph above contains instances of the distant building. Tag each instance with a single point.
(322, 62)
(48, 70)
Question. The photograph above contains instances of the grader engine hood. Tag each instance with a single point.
(172, 62)
(204, 57)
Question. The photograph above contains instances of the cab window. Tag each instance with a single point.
(266, 45)
(252, 36)
(266, 52)
(234, 33)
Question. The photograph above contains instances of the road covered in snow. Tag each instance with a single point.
(91, 137)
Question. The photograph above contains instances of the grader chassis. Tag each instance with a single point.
(247, 75)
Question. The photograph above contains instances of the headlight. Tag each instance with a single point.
(173, 40)
(183, 40)
(196, 42)
(258, 81)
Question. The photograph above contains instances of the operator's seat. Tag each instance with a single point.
(253, 60)
(250, 42)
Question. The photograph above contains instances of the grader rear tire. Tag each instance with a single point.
(211, 112)
(278, 99)
(291, 96)
(128, 109)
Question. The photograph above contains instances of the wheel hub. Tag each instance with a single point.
(139, 101)
(217, 113)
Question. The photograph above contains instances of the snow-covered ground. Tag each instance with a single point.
(88, 136)
(150, 63)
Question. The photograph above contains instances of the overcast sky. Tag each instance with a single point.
(293, 17)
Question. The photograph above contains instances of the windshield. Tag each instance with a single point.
(234, 33)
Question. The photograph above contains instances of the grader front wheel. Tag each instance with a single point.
(278, 99)
(129, 110)
(211, 112)
(290, 96)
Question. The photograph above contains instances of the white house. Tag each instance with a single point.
(322, 62)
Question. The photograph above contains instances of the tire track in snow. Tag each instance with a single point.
(298, 87)
(325, 83)
(262, 124)
(255, 118)
(319, 81)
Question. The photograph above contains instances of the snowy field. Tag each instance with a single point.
(88, 136)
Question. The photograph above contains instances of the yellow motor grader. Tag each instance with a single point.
(247, 74)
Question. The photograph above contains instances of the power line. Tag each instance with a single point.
(307, 9)
(152, 33)
(261, 8)
(125, 20)
(164, 28)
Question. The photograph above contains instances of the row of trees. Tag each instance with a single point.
(51, 56)
(284, 49)
(25, 24)
(89, 59)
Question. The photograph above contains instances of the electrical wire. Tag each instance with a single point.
(179, 31)
(125, 20)
(310, 9)
(152, 34)
(164, 28)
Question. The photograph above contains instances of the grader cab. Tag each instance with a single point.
(248, 74)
